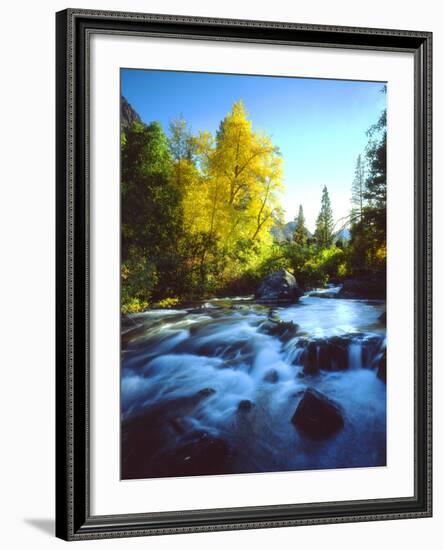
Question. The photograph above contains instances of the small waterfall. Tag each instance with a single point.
(355, 352)
(294, 354)
(336, 353)
(214, 379)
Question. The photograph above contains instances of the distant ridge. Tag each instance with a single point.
(283, 231)
(128, 115)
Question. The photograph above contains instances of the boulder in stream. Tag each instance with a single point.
(271, 376)
(279, 286)
(330, 354)
(366, 288)
(338, 353)
(245, 405)
(202, 454)
(203, 393)
(317, 416)
(381, 366)
(284, 330)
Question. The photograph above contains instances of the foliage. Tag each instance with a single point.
(197, 212)
(358, 191)
(133, 305)
(368, 231)
(314, 266)
(196, 209)
(325, 222)
(166, 303)
(151, 215)
(300, 231)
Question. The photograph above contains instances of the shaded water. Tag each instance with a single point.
(213, 389)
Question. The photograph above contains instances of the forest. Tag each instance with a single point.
(200, 214)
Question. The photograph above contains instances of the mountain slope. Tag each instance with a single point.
(127, 114)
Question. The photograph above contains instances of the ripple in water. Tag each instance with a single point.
(213, 391)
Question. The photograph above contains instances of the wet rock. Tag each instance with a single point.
(205, 392)
(319, 294)
(325, 354)
(153, 428)
(198, 344)
(279, 286)
(235, 350)
(271, 376)
(273, 315)
(132, 328)
(364, 288)
(284, 330)
(128, 322)
(180, 425)
(317, 416)
(245, 405)
(381, 366)
(202, 454)
(198, 308)
(338, 353)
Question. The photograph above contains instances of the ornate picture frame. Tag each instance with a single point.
(75, 519)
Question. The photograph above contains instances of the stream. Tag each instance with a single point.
(212, 389)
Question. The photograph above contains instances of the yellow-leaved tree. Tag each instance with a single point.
(230, 199)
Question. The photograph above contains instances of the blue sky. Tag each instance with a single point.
(319, 125)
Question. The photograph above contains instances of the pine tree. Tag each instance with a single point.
(300, 231)
(375, 185)
(358, 191)
(325, 222)
(180, 140)
(368, 233)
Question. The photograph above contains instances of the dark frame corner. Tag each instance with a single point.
(73, 518)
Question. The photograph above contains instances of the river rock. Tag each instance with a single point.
(245, 405)
(319, 294)
(202, 454)
(317, 416)
(271, 376)
(334, 353)
(284, 330)
(329, 354)
(205, 392)
(364, 288)
(128, 322)
(154, 428)
(381, 366)
(279, 286)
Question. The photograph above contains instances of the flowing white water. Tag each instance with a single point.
(226, 356)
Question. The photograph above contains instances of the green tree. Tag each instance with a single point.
(150, 215)
(375, 194)
(375, 188)
(180, 139)
(325, 222)
(300, 231)
(368, 234)
(240, 173)
(358, 191)
(182, 149)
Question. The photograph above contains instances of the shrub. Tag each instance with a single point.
(166, 303)
(134, 305)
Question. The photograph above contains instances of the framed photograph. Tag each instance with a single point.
(243, 274)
